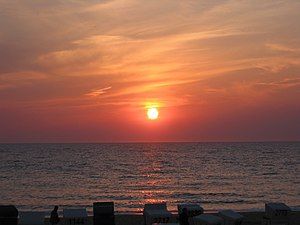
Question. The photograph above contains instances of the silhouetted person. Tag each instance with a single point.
(54, 219)
(184, 217)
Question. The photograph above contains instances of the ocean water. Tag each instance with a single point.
(217, 175)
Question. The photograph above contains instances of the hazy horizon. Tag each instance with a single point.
(154, 142)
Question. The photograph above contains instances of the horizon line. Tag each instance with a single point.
(155, 142)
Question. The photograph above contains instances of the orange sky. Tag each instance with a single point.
(86, 70)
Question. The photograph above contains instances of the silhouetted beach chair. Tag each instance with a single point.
(276, 214)
(32, 218)
(75, 216)
(231, 217)
(8, 215)
(192, 209)
(165, 224)
(206, 219)
(156, 213)
(104, 213)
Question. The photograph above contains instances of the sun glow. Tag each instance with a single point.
(152, 113)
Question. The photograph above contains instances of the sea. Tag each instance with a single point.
(239, 176)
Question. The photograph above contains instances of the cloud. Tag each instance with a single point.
(281, 48)
(97, 92)
(285, 83)
(10, 80)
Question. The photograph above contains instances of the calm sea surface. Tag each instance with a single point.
(216, 175)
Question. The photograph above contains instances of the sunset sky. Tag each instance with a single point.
(86, 71)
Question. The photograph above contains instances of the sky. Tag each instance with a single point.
(86, 71)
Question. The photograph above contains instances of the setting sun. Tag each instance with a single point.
(152, 113)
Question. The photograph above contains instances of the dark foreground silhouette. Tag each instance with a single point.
(54, 219)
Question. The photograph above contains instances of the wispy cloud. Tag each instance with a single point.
(285, 83)
(13, 80)
(281, 47)
(97, 92)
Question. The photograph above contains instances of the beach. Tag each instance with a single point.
(141, 112)
(250, 218)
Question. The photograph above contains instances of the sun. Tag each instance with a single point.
(152, 113)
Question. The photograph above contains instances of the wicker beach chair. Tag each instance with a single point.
(32, 218)
(276, 214)
(156, 213)
(231, 217)
(192, 209)
(75, 216)
(206, 219)
(104, 213)
(8, 215)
